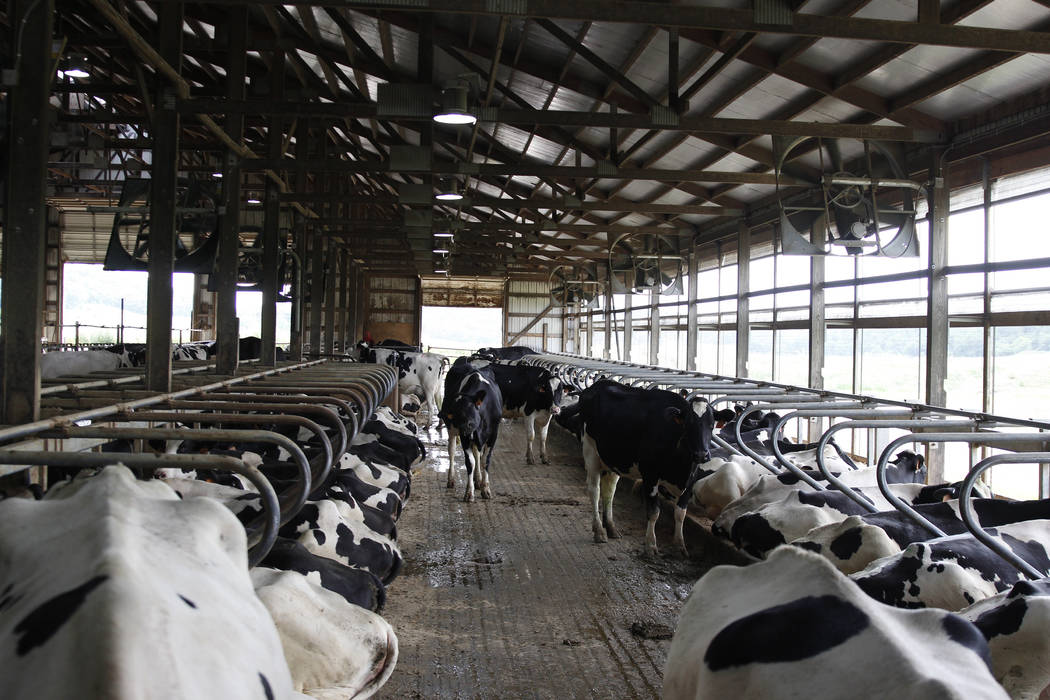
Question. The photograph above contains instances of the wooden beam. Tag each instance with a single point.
(532, 323)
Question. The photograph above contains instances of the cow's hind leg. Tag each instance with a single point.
(608, 488)
(453, 436)
(652, 510)
(468, 495)
(486, 491)
(594, 473)
(530, 435)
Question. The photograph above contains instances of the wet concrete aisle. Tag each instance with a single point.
(511, 598)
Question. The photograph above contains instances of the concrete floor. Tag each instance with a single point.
(511, 598)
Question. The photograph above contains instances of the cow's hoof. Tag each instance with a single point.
(600, 537)
(529, 459)
(683, 552)
(468, 498)
(450, 484)
(613, 532)
(545, 460)
(486, 493)
(651, 553)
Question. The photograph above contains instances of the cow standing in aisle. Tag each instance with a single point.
(418, 372)
(472, 415)
(650, 434)
(532, 393)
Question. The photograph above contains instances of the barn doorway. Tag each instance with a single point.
(459, 330)
(461, 314)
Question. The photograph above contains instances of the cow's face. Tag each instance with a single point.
(465, 416)
(695, 428)
(549, 386)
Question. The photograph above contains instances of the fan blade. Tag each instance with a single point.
(835, 152)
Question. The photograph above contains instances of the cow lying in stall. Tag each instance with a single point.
(91, 594)
(649, 434)
(788, 626)
(81, 362)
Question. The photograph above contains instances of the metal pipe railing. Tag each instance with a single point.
(259, 543)
(1040, 439)
(970, 518)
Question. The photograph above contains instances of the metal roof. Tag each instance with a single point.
(584, 86)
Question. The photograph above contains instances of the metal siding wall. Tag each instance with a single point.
(391, 306)
(526, 299)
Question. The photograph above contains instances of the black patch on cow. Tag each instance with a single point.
(755, 535)
(266, 686)
(1032, 551)
(41, 624)
(890, 583)
(964, 632)
(319, 536)
(846, 545)
(1003, 620)
(811, 546)
(831, 499)
(187, 601)
(813, 625)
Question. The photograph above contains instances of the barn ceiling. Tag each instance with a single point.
(596, 117)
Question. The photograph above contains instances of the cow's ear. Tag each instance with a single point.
(920, 462)
(479, 398)
(673, 414)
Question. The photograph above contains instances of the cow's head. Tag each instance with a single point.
(912, 464)
(365, 353)
(466, 416)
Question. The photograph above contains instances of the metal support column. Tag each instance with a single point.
(228, 325)
(654, 327)
(162, 207)
(628, 325)
(272, 220)
(817, 327)
(24, 225)
(316, 290)
(743, 286)
(691, 330)
(610, 322)
(937, 305)
(330, 299)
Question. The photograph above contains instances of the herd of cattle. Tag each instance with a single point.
(154, 572)
(842, 602)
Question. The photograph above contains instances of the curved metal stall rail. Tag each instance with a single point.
(325, 399)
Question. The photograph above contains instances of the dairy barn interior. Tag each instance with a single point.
(779, 264)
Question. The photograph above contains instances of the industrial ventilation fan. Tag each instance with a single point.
(858, 202)
(642, 262)
(570, 285)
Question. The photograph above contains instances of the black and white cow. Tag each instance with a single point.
(115, 587)
(512, 353)
(1015, 623)
(248, 348)
(532, 393)
(472, 416)
(418, 372)
(794, 627)
(81, 362)
(190, 351)
(333, 648)
(956, 571)
(357, 586)
(648, 434)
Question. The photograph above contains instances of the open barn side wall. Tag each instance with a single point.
(527, 299)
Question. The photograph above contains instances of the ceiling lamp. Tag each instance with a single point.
(217, 174)
(448, 190)
(441, 251)
(454, 107)
(76, 67)
(253, 198)
(442, 234)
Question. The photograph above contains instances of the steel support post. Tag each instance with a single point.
(610, 324)
(345, 314)
(937, 305)
(743, 286)
(272, 221)
(691, 330)
(654, 326)
(163, 195)
(25, 212)
(317, 289)
(227, 330)
(330, 300)
(628, 325)
(817, 329)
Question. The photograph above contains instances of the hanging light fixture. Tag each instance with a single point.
(217, 174)
(76, 67)
(253, 198)
(441, 251)
(448, 190)
(453, 108)
(442, 234)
